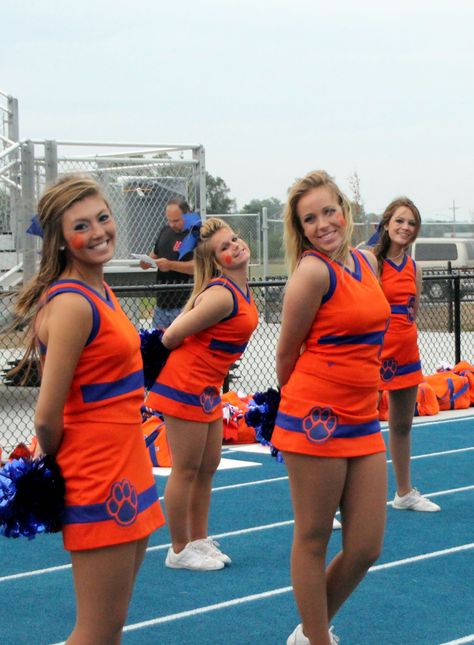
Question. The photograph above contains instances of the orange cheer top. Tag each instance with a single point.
(111, 496)
(189, 385)
(401, 366)
(328, 406)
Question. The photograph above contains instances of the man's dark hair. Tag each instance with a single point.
(182, 204)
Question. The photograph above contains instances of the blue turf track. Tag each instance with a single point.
(404, 600)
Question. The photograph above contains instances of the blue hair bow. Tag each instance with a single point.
(192, 224)
(375, 238)
(35, 227)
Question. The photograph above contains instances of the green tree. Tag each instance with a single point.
(218, 196)
(273, 205)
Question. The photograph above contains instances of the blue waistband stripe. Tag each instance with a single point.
(373, 338)
(178, 395)
(343, 431)
(399, 309)
(409, 368)
(98, 512)
(229, 348)
(101, 391)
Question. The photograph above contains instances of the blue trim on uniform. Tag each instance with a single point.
(98, 512)
(246, 296)
(342, 431)
(357, 273)
(372, 338)
(95, 312)
(409, 368)
(332, 274)
(107, 299)
(94, 392)
(455, 395)
(398, 267)
(178, 395)
(42, 347)
(399, 309)
(218, 282)
(230, 348)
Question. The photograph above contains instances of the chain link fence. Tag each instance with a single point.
(446, 333)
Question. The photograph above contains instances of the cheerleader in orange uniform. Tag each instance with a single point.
(210, 335)
(88, 410)
(400, 373)
(328, 361)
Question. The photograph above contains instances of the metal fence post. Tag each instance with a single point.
(50, 161)
(200, 181)
(457, 318)
(27, 242)
(265, 241)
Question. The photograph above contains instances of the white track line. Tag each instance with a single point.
(459, 641)
(253, 529)
(282, 590)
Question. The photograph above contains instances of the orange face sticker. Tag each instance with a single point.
(341, 220)
(77, 241)
(227, 257)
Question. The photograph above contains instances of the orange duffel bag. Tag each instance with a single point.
(156, 443)
(452, 390)
(463, 368)
(234, 428)
(426, 402)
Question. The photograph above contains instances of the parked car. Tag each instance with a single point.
(434, 253)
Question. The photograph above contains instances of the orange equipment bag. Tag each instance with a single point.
(426, 402)
(156, 443)
(452, 390)
(463, 368)
(234, 428)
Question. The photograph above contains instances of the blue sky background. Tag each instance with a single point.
(272, 89)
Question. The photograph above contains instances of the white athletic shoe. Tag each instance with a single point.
(336, 524)
(297, 637)
(191, 558)
(414, 501)
(208, 546)
(334, 639)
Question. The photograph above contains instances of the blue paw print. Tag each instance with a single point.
(122, 504)
(209, 399)
(388, 369)
(319, 424)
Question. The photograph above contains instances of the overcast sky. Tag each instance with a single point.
(271, 88)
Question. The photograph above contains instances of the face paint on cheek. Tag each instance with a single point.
(77, 241)
(341, 220)
(227, 258)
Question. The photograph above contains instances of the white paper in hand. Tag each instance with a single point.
(143, 257)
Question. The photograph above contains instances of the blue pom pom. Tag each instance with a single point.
(31, 497)
(261, 415)
(154, 354)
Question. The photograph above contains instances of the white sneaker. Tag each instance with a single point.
(191, 558)
(297, 637)
(414, 501)
(332, 636)
(210, 547)
(336, 524)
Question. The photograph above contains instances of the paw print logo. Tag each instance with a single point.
(411, 308)
(122, 503)
(388, 369)
(319, 424)
(209, 399)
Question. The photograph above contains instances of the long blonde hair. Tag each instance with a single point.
(294, 238)
(56, 199)
(205, 265)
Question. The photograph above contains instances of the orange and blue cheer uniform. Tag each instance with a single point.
(401, 365)
(328, 406)
(111, 496)
(189, 385)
